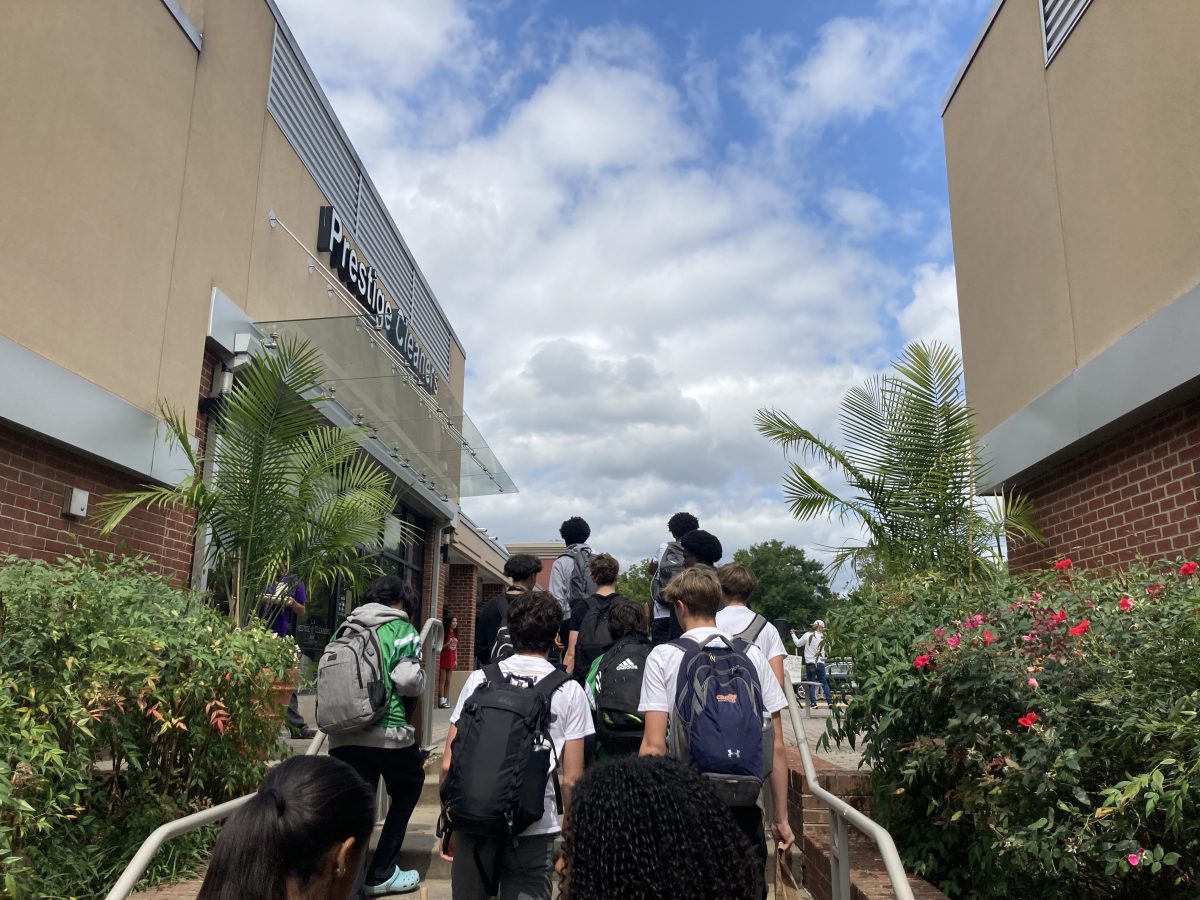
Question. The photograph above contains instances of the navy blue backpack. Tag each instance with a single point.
(717, 720)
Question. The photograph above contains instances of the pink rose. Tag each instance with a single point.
(953, 641)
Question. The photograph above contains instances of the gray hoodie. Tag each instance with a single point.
(402, 651)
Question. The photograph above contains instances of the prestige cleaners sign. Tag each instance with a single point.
(363, 283)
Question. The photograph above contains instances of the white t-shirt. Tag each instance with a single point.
(662, 671)
(812, 645)
(660, 611)
(736, 619)
(570, 719)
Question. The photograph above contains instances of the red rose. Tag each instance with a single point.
(1126, 604)
(1081, 628)
(921, 661)
(988, 640)
(1154, 588)
(1058, 617)
(1063, 563)
(1188, 568)
(1028, 719)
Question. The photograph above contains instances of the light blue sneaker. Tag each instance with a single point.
(401, 882)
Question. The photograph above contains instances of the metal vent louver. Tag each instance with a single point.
(1058, 18)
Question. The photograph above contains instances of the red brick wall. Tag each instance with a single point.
(34, 477)
(461, 595)
(1133, 496)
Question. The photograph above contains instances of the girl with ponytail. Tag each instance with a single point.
(301, 837)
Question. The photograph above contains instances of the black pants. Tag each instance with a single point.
(403, 772)
(750, 820)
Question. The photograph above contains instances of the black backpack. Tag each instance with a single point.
(501, 757)
(618, 692)
(594, 637)
(502, 648)
(669, 566)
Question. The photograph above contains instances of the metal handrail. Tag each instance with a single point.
(841, 815)
(163, 833)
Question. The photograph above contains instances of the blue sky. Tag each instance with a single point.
(646, 220)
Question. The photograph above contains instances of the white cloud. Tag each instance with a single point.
(932, 314)
(626, 303)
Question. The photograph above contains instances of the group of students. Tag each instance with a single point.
(640, 747)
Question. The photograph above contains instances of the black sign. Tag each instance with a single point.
(362, 280)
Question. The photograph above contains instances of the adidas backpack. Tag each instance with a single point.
(716, 723)
(618, 692)
(669, 566)
(352, 688)
(501, 757)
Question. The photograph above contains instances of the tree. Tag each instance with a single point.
(287, 490)
(912, 464)
(634, 582)
(790, 585)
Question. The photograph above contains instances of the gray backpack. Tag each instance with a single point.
(352, 688)
(581, 586)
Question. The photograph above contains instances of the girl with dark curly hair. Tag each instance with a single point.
(644, 828)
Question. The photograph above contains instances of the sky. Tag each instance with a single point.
(646, 220)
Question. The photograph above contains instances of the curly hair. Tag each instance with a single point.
(604, 568)
(574, 531)
(533, 621)
(521, 566)
(643, 828)
(702, 545)
(626, 616)
(682, 523)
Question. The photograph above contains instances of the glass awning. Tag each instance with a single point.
(427, 433)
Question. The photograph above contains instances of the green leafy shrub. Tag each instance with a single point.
(124, 702)
(1034, 739)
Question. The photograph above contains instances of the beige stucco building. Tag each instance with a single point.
(1070, 148)
(179, 196)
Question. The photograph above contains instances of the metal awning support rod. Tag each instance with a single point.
(841, 816)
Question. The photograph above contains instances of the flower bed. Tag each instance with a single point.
(1034, 738)
(124, 702)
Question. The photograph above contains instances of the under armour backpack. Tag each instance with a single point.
(618, 692)
(502, 647)
(501, 757)
(594, 637)
(352, 688)
(716, 722)
(670, 565)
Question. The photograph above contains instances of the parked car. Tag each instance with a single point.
(840, 673)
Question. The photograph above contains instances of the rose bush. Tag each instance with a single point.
(124, 702)
(1034, 738)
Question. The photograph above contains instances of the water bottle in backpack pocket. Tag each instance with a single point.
(716, 722)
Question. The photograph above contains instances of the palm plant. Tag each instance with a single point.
(911, 463)
(287, 491)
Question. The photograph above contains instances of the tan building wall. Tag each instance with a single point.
(1073, 206)
(142, 177)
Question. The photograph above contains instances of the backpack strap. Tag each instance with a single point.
(757, 625)
(551, 683)
(493, 673)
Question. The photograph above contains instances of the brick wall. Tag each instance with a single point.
(34, 477)
(1133, 496)
(461, 596)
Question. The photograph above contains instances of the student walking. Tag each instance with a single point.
(614, 682)
(666, 564)
(304, 834)
(590, 635)
(386, 748)
(522, 569)
(812, 645)
(514, 722)
(739, 701)
(738, 619)
(570, 577)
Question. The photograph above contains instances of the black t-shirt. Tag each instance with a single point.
(488, 623)
(580, 607)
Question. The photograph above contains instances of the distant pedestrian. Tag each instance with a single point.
(388, 748)
(448, 659)
(666, 564)
(570, 575)
(303, 835)
(283, 604)
(647, 828)
(523, 570)
(738, 619)
(812, 645)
